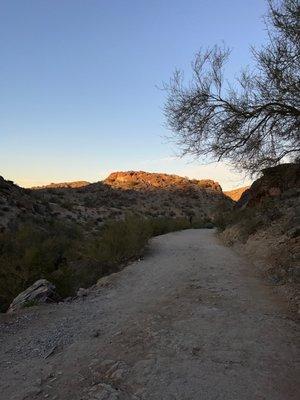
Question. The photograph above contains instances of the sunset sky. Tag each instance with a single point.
(79, 83)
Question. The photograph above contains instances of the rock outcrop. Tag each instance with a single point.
(148, 180)
(41, 291)
(274, 182)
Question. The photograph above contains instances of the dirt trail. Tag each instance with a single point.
(191, 321)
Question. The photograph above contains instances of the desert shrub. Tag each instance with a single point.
(160, 226)
(202, 223)
(121, 240)
(70, 257)
(30, 252)
(222, 214)
(89, 201)
(67, 205)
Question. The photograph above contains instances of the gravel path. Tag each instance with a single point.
(191, 321)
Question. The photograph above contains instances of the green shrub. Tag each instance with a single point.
(70, 257)
(30, 252)
(201, 223)
(160, 226)
(122, 240)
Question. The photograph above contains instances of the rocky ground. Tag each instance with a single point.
(190, 321)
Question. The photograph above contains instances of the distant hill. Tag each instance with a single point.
(61, 185)
(236, 194)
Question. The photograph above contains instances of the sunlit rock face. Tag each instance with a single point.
(142, 180)
(236, 194)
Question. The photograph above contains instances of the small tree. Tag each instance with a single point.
(254, 123)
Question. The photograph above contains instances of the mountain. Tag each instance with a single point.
(91, 204)
(236, 194)
(72, 234)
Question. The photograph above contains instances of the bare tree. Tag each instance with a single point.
(255, 122)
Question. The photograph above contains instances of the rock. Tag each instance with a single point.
(107, 281)
(104, 391)
(95, 333)
(81, 292)
(40, 292)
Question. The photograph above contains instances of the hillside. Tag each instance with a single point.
(265, 225)
(145, 194)
(73, 235)
(63, 185)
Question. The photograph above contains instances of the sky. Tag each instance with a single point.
(80, 83)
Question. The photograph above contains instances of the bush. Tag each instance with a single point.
(30, 252)
(69, 257)
(160, 226)
(202, 223)
(121, 240)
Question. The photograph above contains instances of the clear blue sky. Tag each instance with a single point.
(78, 82)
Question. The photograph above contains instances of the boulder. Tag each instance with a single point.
(40, 292)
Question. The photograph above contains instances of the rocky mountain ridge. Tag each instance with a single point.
(121, 193)
(147, 180)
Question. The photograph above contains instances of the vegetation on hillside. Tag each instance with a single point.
(69, 257)
(265, 225)
(146, 194)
